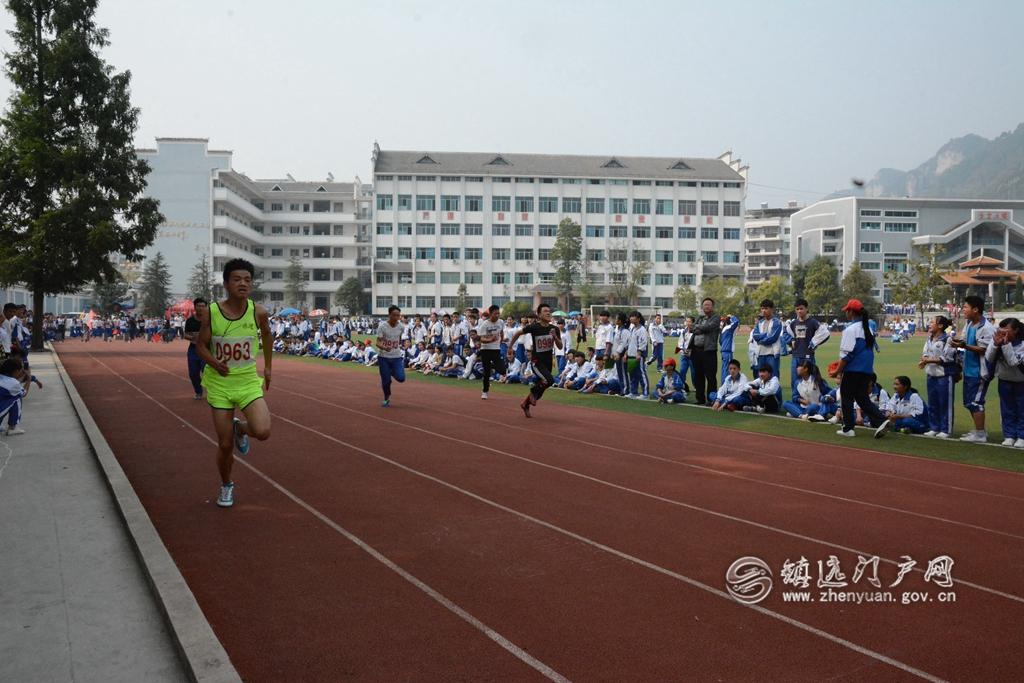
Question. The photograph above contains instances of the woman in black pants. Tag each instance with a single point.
(857, 363)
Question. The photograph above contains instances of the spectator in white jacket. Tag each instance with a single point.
(731, 391)
(762, 392)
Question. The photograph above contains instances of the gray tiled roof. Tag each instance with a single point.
(301, 186)
(571, 165)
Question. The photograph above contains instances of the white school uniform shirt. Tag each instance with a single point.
(809, 390)
(436, 328)
(731, 388)
(620, 340)
(419, 333)
(604, 335)
(657, 333)
(570, 372)
(508, 332)
(1007, 360)
(607, 374)
(566, 340)
(586, 369)
(910, 405)
(637, 344)
(769, 388)
(938, 348)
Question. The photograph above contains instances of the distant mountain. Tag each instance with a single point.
(970, 167)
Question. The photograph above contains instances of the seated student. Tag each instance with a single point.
(670, 387)
(830, 403)
(421, 358)
(433, 363)
(906, 408)
(521, 374)
(877, 395)
(279, 346)
(470, 361)
(347, 351)
(730, 393)
(606, 382)
(513, 369)
(12, 390)
(1005, 354)
(409, 351)
(761, 394)
(369, 354)
(809, 388)
(569, 372)
(452, 364)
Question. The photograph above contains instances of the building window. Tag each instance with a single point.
(871, 225)
(382, 301)
(474, 253)
(900, 214)
(384, 202)
(570, 205)
(449, 228)
(277, 252)
(642, 255)
(663, 207)
(548, 204)
(595, 231)
(424, 202)
(404, 202)
(709, 184)
(641, 231)
(709, 233)
(450, 253)
(895, 263)
(385, 228)
(617, 231)
(870, 212)
(870, 247)
(687, 233)
(524, 231)
(449, 202)
(524, 278)
(425, 277)
(663, 278)
(686, 279)
(424, 253)
(731, 233)
(708, 208)
(595, 204)
(405, 228)
(548, 230)
(663, 256)
(474, 203)
(900, 227)
(501, 203)
(476, 278)
(663, 233)
(474, 229)
(709, 256)
(384, 252)
(828, 249)
(870, 265)
(543, 254)
(641, 182)
(499, 254)
(572, 181)
(687, 256)
(405, 253)
(617, 254)
(405, 278)
(425, 302)
(641, 206)
(276, 275)
(618, 205)
(450, 278)
(524, 254)
(663, 183)
(500, 230)
(687, 207)
(730, 208)
(424, 228)
(274, 206)
(501, 179)
(730, 257)
(595, 254)
(524, 204)
(499, 278)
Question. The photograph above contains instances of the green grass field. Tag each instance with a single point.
(895, 359)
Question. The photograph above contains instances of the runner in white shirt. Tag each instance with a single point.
(491, 331)
(391, 358)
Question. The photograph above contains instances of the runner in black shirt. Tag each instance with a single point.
(545, 338)
(195, 363)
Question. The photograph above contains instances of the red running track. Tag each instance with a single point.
(448, 538)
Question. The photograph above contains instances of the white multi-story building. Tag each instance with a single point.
(213, 211)
(766, 242)
(885, 234)
(489, 221)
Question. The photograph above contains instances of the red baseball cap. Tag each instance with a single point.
(854, 305)
(670, 361)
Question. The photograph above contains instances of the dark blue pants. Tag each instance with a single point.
(1011, 408)
(195, 369)
(940, 404)
(726, 357)
(390, 368)
(658, 354)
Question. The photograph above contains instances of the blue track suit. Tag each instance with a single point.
(673, 381)
(1007, 362)
(802, 338)
(940, 383)
(11, 393)
(725, 340)
(768, 334)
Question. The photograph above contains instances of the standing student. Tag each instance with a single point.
(228, 341)
(390, 357)
(938, 359)
(545, 338)
(636, 349)
(1006, 354)
(195, 363)
(491, 330)
(804, 335)
(974, 340)
(704, 355)
(767, 335)
(683, 347)
(857, 363)
(560, 359)
(620, 341)
(657, 333)
(726, 339)
(603, 336)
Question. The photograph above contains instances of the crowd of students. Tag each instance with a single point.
(16, 376)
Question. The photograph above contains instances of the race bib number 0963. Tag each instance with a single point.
(235, 351)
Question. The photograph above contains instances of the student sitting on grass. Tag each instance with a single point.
(369, 354)
(762, 393)
(12, 389)
(905, 408)
(452, 365)
(1006, 352)
(809, 389)
(670, 387)
(730, 393)
(828, 406)
(568, 374)
(606, 382)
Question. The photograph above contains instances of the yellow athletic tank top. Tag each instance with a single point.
(235, 341)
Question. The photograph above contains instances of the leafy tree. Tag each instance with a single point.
(461, 297)
(587, 293)
(798, 276)
(778, 289)
(71, 183)
(200, 281)
(857, 284)
(104, 296)
(156, 285)
(999, 296)
(821, 286)
(627, 275)
(351, 295)
(727, 294)
(567, 259)
(516, 309)
(295, 283)
(685, 298)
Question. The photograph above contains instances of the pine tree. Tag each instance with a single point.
(461, 297)
(156, 285)
(103, 296)
(295, 284)
(71, 183)
(200, 281)
(351, 295)
(567, 260)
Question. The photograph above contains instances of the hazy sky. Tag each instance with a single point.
(808, 93)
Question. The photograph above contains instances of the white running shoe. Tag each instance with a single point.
(975, 437)
(14, 432)
(483, 396)
(834, 420)
(848, 434)
(942, 435)
(1019, 443)
(227, 495)
(882, 429)
(930, 432)
(1008, 442)
(816, 418)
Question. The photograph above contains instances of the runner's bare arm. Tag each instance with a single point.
(263, 321)
(203, 348)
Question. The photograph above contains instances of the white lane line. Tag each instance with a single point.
(645, 494)
(435, 595)
(7, 460)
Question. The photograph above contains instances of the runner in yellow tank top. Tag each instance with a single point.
(228, 342)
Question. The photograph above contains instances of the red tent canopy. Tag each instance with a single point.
(183, 307)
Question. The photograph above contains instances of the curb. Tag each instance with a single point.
(200, 651)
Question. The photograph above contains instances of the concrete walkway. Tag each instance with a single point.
(74, 603)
